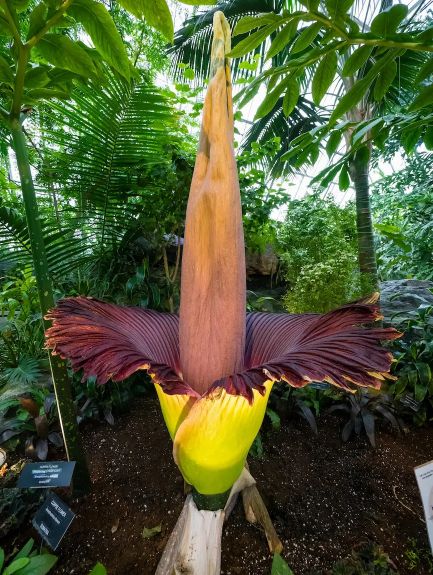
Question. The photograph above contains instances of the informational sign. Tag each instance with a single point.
(324, 385)
(410, 402)
(46, 474)
(53, 520)
(424, 476)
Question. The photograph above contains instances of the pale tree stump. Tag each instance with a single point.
(194, 547)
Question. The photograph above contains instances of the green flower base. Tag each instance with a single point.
(210, 502)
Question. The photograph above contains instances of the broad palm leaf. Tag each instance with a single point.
(64, 250)
(98, 141)
(192, 42)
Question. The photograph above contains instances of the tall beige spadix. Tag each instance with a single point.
(212, 308)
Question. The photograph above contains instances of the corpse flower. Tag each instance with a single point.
(214, 366)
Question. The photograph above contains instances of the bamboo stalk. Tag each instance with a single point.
(74, 449)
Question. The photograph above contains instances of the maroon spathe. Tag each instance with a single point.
(111, 341)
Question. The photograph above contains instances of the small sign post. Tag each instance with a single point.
(53, 520)
(424, 476)
(46, 474)
(410, 402)
(323, 385)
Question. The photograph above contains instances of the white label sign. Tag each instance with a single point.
(424, 476)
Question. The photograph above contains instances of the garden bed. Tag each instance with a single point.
(324, 497)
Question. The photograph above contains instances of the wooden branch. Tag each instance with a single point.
(256, 512)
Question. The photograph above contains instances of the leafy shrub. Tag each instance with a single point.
(16, 505)
(102, 401)
(364, 407)
(258, 198)
(21, 337)
(402, 206)
(26, 561)
(34, 419)
(287, 401)
(418, 556)
(370, 560)
(319, 247)
(414, 362)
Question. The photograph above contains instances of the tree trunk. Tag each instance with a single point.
(367, 254)
(59, 371)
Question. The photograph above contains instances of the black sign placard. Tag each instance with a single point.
(324, 385)
(53, 520)
(410, 402)
(46, 474)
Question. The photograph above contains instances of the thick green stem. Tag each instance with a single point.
(367, 255)
(210, 502)
(74, 449)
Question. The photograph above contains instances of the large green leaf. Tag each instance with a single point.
(384, 80)
(271, 99)
(37, 19)
(428, 138)
(333, 142)
(99, 25)
(361, 131)
(24, 552)
(252, 41)
(356, 60)
(16, 565)
(5, 29)
(134, 7)
(343, 180)
(425, 71)
(324, 76)
(36, 77)
(350, 100)
(279, 566)
(282, 38)
(306, 37)
(46, 93)
(6, 74)
(291, 97)
(248, 23)
(98, 569)
(424, 373)
(39, 565)
(337, 8)
(158, 15)
(62, 52)
(386, 23)
(358, 91)
(424, 99)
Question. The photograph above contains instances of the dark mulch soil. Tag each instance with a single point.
(324, 498)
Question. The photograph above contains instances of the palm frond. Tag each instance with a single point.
(15, 245)
(99, 143)
(26, 372)
(275, 124)
(192, 43)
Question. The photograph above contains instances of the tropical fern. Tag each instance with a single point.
(99, 142)
(26, 372)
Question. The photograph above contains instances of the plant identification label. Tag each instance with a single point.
(53, 520)
(46, 474)
(324, 385)
(410, 402)
(424, 476)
